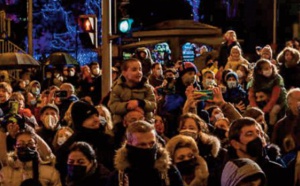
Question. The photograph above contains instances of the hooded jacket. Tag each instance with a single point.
(237, 170)
(201, 170)
(16, 171)
(167, 173)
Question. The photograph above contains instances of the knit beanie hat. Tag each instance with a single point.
(238, 169)
(187, 67)
(231, 74)
(267, 50)
(80, 112)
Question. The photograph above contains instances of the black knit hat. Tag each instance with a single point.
(80, 112)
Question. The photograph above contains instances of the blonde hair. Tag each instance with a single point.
(107, 116)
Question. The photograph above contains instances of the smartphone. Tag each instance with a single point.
(61, 93)
(206, 94)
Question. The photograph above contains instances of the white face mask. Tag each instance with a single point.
(188, 132)
(209, 82)
(61, 140)
(267, 73)
(96, 71)
(50, 122)
(231, 84)
(240, 73)
(219, 116)
(72, 73)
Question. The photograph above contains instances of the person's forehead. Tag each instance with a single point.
(143, 136)
(183, 151)
(134, 114)
(24, 137)
(295, 95)
(48, 110)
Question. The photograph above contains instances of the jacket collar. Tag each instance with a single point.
(162, 164)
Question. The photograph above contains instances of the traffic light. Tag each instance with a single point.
(88, 30)
(125, 25)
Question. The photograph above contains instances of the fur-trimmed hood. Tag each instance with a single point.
(201, 170)
(201, 173)
(162, 164)
(211, 140)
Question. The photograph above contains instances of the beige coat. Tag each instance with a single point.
(16, 171)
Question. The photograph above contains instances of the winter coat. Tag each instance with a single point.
(201, 170)
(16, 171)
(165, 172)
(214, 155)
(121, 94)
(235, 95)
(101, 143)
(233, 64)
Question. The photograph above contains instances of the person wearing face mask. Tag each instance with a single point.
(208, 80)
(267, 79)
(49, 123)
(83, 168)
(210, 146)
(235, 94)
(244, 74)
(246, 142)
(61, 136)
(87, 128)
(156, 77)
(142, 161)
(95, 89)
(25, 163)
(185, 156)
(70, 75)
(10, 126)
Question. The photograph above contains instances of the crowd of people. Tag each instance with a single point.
(222, 120)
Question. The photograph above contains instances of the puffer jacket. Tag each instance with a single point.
(16, 171)
(121, 94)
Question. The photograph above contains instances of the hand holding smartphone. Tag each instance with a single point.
(205, 94)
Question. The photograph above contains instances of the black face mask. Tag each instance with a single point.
(187, 167)
(26, 154)
(261, 104)
(220, 133)
(76, 172)
(209, 65)
(169, 79)
(139, 157)
(255, 148)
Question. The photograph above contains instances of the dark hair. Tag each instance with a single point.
(237, 125)
(154, 65)
(253, 112)
(31, 182)
(86, 150)
(26, 132)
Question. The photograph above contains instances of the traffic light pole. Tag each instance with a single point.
(106, 47)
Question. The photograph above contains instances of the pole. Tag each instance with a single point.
(274, 21)
(106, 47)
(29, 27)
